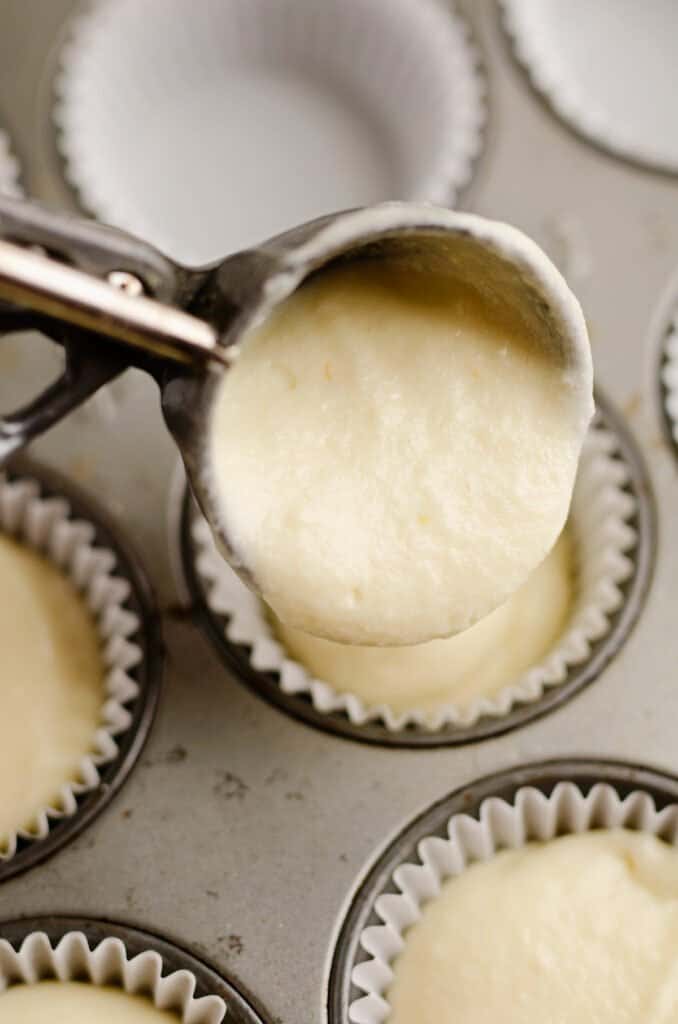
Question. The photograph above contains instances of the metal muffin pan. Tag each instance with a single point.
(243, 833)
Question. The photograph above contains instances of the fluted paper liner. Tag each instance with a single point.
(108, 964)
(536, 29)
(46, 525)
(9, 169)
(600, 518)
(531, 816)
(407, 64)
(669, 374)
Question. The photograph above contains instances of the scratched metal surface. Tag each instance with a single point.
(242, 832)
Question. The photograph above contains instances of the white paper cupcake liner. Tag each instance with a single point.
(239, 120)
(669, 376)
(531, 816)
(601, 515)
(9, 169)
(108, 964)
(46, 525)
(554, 40)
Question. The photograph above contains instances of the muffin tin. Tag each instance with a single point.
(244, 834)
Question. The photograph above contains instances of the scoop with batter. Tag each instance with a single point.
(395, 448)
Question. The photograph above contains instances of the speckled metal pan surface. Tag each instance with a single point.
(244, 833)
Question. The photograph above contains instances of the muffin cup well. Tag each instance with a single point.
(590, 96)
(609, 527)
(535, 803)
(107, 962)
(408, 67)
(37, 512)
(204, 995)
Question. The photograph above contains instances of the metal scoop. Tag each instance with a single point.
(113, 301)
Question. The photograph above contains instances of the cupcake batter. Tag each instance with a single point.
(77, 1002)
(582, 928)
(494, 653)
(392, 457)
(51, 685)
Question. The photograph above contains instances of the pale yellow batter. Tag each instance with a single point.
(51, 684)
(77, 1002)
(391, 457)
(494, 653)
(578, 930)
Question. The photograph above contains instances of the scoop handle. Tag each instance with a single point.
(81, 377)
(97, 279)
(108, 298)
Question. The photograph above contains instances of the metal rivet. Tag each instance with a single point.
(126, 282)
